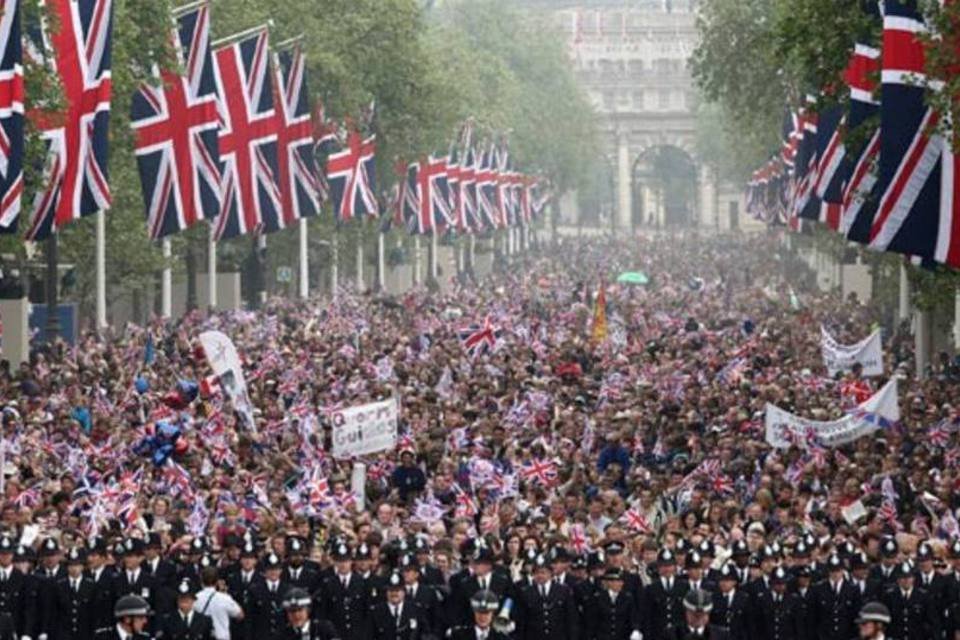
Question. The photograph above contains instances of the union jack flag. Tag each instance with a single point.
(466, 212)
(860, 166)
(433, 195)
(252, 200)
(176, 127)
(910, 218)
(75, 178)
(542, 472)
(466, 506)
(578, 540)
(406, 204)
(939, 435)
(636, 520)
(352, 175)
(299, 184)
(11, 115)
(486, 185)
(478, 340)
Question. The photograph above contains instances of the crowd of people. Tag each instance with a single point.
(566, 483)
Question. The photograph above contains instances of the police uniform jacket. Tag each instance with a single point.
(834, 613)
(13, 599)
(346, 608)
(246, 595)
(111, 633)
(607, 618)
(553, 617)
(411, 625)
(101, 605)
(74, 610)
(174, 627)
(912, 618)
(662, 608)
(471, 632)
(710, 632)
(431, 603)
(778, 617)
(465, 589)
(269, 618)
(302, 577)
(318, 630)
(733, 616)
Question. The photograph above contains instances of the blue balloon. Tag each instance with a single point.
(141, 385)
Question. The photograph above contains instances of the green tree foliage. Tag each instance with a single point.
(427, 70)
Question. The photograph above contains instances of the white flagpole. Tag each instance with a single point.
(433, 254)
(304, 264)
(360, 259)
(212, 271)
(166, 294)
(262, 249)
(101, 259)
(335, 263)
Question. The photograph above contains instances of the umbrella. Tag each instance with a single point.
(633, 277)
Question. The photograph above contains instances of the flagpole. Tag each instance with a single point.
(381, 260)
(166, 294)
(416, 260)
(261, 250)
(304, 264)
(433, 255)
(471, 253)
(101, 259)
(360, 256)
(335, 262)
(212, 270)
(242, 34)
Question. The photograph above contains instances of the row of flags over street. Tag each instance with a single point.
(881, 170)
(233, 140)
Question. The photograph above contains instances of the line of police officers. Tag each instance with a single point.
(75, 595)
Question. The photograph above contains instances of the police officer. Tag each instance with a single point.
(24, 559)
(912, 616)
(778, 612)
(546, 611)
(695, 578)
(243, 586)
(163, 572)
(935, 584)
(484, 605)
(185, 623)
(75, 593)
(131, 613)
(343, 597)
(427, 597)
(421, 551)
(731, 606)
(560, 562)
(663, 599)
(131, 578)
(296, 573)
(397, 618)
(885, 574)
(835, 603)
(873, 620)
(11, 586)
(103, 578)
(299, 623)
(269, 595)
(47, 575)
(481, 578)
(698, 606)
(612, 614)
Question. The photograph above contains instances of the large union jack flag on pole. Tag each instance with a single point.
(11, 115)
(860, 163)
(251, 200)
(299, 184)
(75, 180)
(467, 218)
(486, 186)
(432, 195)
(176, 127)
(352, 177)
(907, 219)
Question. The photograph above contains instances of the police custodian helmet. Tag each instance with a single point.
(130, 605)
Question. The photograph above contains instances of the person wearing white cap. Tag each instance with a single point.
(873, 621)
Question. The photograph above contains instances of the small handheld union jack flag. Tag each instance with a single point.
(479, 339)
(542, 472)
(636, 520)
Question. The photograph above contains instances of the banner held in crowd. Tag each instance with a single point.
(840, 357)
(365, 429)
(785, 429)
(225, 361)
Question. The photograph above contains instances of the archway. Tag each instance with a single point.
(664, 187)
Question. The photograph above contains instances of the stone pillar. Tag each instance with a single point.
(15, 345)
(624, 184)
(904, 306)
(708, 213)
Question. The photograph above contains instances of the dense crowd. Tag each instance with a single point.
(559, 486)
